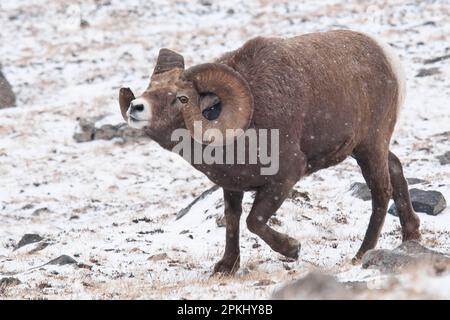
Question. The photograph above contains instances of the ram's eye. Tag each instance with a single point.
(183, 99)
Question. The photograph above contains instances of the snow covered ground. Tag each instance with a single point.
(112, 206)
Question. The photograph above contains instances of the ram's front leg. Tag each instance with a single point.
(267, 201)
(229, 264)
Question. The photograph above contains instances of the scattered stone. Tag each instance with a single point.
(430, 202)
(361, 191)
(413, 181)
(84, 266)
(437, 59)
(206, 3)
(28, 206)
(39, 211)
(409, 255)
(27, 239)
(8, 282)
(158, 257)
(44, 285)
(145, 219)
(425, 72)
(88, 131)
(62, 260)
(274, 221)
(298, 195)
(7, 96)
(264, 282)
(314, 286)
(84, 23)
(106, 132)
(444, 158)
(220, 221)
(40, 246)
(206, 193)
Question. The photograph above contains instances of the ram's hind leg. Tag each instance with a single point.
(408, 219)
(375, 169)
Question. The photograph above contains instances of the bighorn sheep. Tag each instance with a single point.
(331, 95)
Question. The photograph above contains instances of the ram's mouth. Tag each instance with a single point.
(137, 123)
(134, 119)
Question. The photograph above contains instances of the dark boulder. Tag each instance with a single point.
(62, 260)
(429, 202)
(28, 238)
(316, 286)
(7, 96)
(408, 255)
(444, 158)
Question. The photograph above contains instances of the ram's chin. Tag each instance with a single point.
(137, 124)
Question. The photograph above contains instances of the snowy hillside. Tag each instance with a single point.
(111, 206)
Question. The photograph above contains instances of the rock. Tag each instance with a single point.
(158, 257)
(361, 191)
(429, 202)
(413, 181)
(437, 59)
(27, 239)
(40, 211)
(409, 255)
(230, 11)
(264, 282)
(88, 131)
(220, 221)
(206, 3)
(425, 72)
(444, 158)
(84, 23)
(107, 132)
(314, 286)
(298, 196)
(7, 96)
(8, 282)
(40, 246)
(206, 193)
(62, 260)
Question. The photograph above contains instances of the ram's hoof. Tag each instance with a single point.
(356, 260)
(295, 251)
(226, 267)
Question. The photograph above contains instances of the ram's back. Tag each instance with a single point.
(340, 79)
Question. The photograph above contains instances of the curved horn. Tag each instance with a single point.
(236, 103)
(125, 98)
(168, 60)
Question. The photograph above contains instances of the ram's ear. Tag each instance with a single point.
(125, 98)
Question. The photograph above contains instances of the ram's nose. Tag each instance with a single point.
(136, 107)
(139, 108)
(139, 113)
